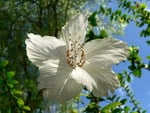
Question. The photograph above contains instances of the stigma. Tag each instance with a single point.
(75, 54)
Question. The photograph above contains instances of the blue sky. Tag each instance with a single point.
(140, 86)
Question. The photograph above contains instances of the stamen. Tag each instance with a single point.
(75, 54)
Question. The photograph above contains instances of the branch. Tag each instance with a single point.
(66, 10)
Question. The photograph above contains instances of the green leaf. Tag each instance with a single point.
(20, 102)
(137, 72)
(148, 57)
(127, 109)
(1, 80)
(128, 77)
(111, 106)
(148, 21)
(14, 81)
(17, 92)
(10, 75)
(148, 42)
(143, 5)
(106, 111)
(27, 108)
(123, 101)
(92, 19)
(117, 110)
(92, 105)
(143, 33)
(128, 4)
(103, 34)
(3, 63)
(109, 11)
(10, 85)
(118, 12)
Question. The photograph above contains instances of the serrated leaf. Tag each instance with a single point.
(27, 108)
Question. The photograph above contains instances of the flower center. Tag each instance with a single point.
(75, 54)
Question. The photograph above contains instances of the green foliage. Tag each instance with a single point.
(93, 106)
(148, 42)
(140, 15)
(12, 99)
(118, 105)
(148, 57)
(17, 18)
(117, 15)
(133, 11)
(18, 88)
(110, 107)
(92, 19)
(125, 78)
(135, 60)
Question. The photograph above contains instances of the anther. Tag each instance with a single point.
(75, 54)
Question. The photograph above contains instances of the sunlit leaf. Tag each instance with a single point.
(127, 109)
(10, 75)
(17, 92)
(20, 102)
(111, 106)
(10, 85)
(27, 108)
(148, 57)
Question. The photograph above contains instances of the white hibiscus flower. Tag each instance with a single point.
(68, 64)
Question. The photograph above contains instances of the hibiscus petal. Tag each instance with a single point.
(55, 78)
(82, 77)
(106, 51)
(75, 29)
(40, 48)
(104, 78)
